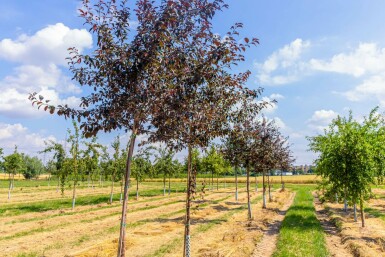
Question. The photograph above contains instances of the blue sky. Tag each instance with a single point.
(317, 58)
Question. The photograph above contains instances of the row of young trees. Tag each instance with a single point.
(351, 158)
(171, 78)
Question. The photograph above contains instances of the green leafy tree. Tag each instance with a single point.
(348, 158)
(59, 157)
(33, 167)
(74, 139)
(165, 166)
(214, 164)
(142, 167)
(13, 163)
(91, 158)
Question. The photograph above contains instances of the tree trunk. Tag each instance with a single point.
(112, 189)
(164, 184)
(212, 181)
(249, 214)
(9, 190)
(264, 190)
(186, 250)
(122, 234)
(355, 212)
(336, 198)
(137, 189)
(58, 184)
(345, 201)
(269, 185)
(256, 183)
(74, 195)
(282, 184)
(362, 212)
(169, 184)
(236, 184)
(217, 182)
(121, 189)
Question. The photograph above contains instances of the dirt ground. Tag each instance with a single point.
(349, 238)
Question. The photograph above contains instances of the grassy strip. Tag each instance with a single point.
(41, 206)
(33, 231)
(301, 233)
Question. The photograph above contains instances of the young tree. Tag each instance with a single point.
(164, 166)
(91, 158)
(74, 139)
(173, 60)
(59, 156)
(347, 159)
(33, 166)
(13, 163)
(213, 163)
(142, 167)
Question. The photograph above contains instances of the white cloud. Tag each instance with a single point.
(17, 134)
(321, 119)
(371, 88)
(40, 56)
(48, 45)
(283, 66)
(367, 58)
(49, 82)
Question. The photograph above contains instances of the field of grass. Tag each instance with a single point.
(38, 221)
(301, 233)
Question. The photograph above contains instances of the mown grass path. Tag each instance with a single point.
(301, 233)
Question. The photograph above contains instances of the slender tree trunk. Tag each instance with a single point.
(58, 184)
(355, 212)
(249, 214)
(186, 250)
(217, 182)
(74, 195)
(362, 211)
(88, 180)
(264, 190)
(169, 184)
(10, 185)
(212, 181)
(236, 184)
(112, 189)
(100, 180)
(345, 201)
(137, 189)
(269, 185)
(256, 183)
(336, 198)
(121, 189)
(164, 184)
(13, 181)
(122, 234)
(282, 184)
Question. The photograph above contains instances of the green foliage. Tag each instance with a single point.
(33, 167)
(351, 155)
(13, 163)
(214, 163)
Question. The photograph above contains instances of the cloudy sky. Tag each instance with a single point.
(319, 59)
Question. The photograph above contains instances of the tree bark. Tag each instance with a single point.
(112, 189)
(264, 190)
(186, 249)
(236, 184)
(169, 184)
(122, 235)
(137, 189)
(345, 201)
(249, 214)
(362, 212)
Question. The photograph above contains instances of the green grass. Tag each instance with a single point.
(301, 233)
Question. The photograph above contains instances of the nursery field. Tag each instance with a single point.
(37, 221)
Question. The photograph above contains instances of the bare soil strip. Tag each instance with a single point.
(267, 245)
(333, 238)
